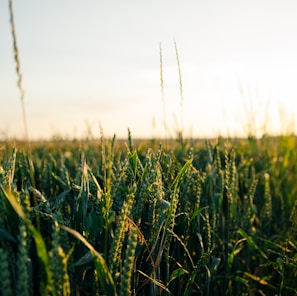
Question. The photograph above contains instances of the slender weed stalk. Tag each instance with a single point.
(18, 71)
(163, 92)
(181, 93)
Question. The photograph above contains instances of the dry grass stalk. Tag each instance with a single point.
(18, 71)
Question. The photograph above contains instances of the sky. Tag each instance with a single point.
(93, 63)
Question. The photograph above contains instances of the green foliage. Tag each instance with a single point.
(105, 219)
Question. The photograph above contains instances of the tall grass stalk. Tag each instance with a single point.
(163, 92)
(181, 92)
(18, 71)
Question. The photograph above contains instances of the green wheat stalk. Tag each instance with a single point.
(23, 285)
(114, 259)
(46, 280)
(170, 220)
(251, 208)
(58, 264)
(206, 231)
(233, 187)
(5, 279)
(128, 264)
(267, 201)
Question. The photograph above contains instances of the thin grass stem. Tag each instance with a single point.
(181, 93)
(18, 71)
(163, 92)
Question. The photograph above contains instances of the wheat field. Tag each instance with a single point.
(115, 218)
(154, 217)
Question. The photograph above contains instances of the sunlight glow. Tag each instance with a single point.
(99, 63)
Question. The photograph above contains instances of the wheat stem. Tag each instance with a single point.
(163, 92)
(18, 71)
(181, 93)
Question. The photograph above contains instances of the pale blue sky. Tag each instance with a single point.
(85, 62)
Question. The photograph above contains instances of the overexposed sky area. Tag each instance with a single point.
(90, 62)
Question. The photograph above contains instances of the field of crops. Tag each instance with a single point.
(115, 218)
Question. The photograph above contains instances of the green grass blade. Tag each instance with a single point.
(177, 181)
(157, 283)
(251, 242)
